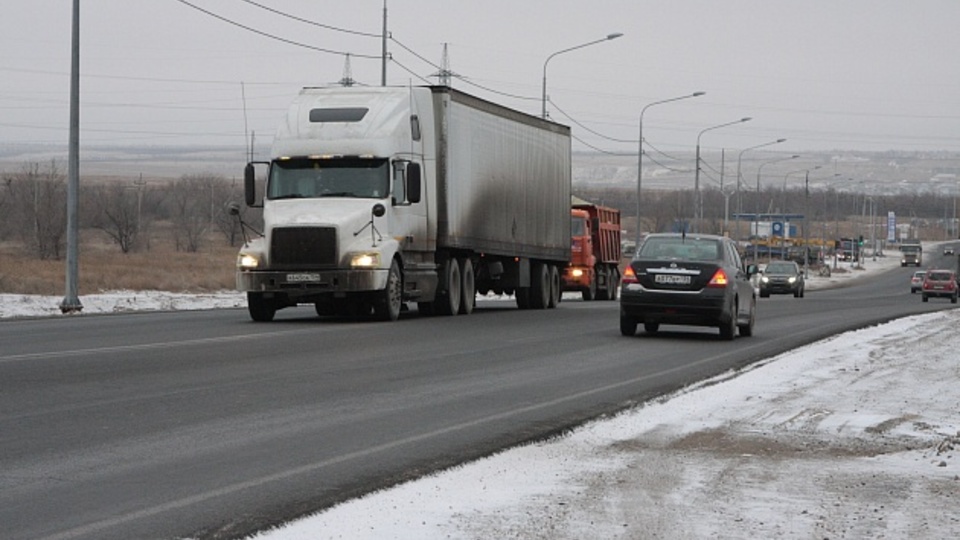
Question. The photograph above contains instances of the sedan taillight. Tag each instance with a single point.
(629, 276)
(719, 279)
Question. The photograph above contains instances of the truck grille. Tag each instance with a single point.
(303, 247)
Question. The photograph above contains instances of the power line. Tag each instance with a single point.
(307, 21)
(271, 36)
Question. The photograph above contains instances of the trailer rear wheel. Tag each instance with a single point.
(448, 302)
(261, 309)
(468, 287)
(555, 292)
(539, 286)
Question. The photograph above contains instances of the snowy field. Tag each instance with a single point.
(822, 442)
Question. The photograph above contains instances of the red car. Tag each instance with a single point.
(940, 283)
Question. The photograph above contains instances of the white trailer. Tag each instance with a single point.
(376, 197)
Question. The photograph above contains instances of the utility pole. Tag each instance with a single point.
(71, 302)
(383, 52)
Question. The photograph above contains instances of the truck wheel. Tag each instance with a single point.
(448, 302)
(539, 286)
(555, 292)
(614, 285)
(591, 291)
(388, 302)
(261, 309)
(603, 276)
(523, 297)
(468, 287)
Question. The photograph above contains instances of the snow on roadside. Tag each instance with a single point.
(826, 441)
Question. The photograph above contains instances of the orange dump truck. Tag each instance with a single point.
(594, 267)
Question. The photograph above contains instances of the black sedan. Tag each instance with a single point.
(697, 280)
(782, 277)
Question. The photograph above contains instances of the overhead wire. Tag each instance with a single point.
(272, 36)
(307, 21)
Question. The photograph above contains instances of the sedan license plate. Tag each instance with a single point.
(303, 278)
(671, 279)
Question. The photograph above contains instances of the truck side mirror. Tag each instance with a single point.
(413, 182)
(250, 185)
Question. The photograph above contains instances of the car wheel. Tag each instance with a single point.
(925, 298)
(953, 299)
(728, 329)
(746, 330)
(651, 327)
(764, 294)
(628, 326)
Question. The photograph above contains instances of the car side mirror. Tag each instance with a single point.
(752, 270)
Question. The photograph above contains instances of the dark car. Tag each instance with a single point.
(697, 280)
(941, 284)
(782, 277)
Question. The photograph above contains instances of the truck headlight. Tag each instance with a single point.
(576, 272)
(365, 260)
(792, 279)
(247, 261)
(765, 279)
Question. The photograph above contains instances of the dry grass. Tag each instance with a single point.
(102, 267)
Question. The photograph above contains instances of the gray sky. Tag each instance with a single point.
(825, 74)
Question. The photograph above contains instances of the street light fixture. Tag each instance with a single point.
(640, 153)
(544, 99)
(698, 210)
(756, 227)
(740, 176)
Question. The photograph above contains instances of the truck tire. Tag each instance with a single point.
(555, 289)
(591, 291)
(389, 301)
(261, 309)
(448, 301)
(468, 287)
(614, 284)
(523, 297)
(603, 276)
(539, 286)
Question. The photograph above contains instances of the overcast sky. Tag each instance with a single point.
(825, 74)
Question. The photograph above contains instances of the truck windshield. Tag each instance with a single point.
(578, 227)
(312, 178)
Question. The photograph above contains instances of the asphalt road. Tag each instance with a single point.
(207, 425)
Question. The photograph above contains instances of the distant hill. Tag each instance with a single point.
(889, 172)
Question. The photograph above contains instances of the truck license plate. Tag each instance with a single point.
(671, 279)
(303, 278)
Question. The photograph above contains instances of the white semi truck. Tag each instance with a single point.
(376, 197)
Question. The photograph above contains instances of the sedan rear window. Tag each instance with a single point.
(689, 249)
(940, 276)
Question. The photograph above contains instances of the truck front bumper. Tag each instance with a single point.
(312, 282)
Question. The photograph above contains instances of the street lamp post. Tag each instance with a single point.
(697, 202)
(756, 217)
(544, 98)
(640, 152)
(740, 177)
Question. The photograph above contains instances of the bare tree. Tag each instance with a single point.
(118, 214)
(195, 201)
(37, 202)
